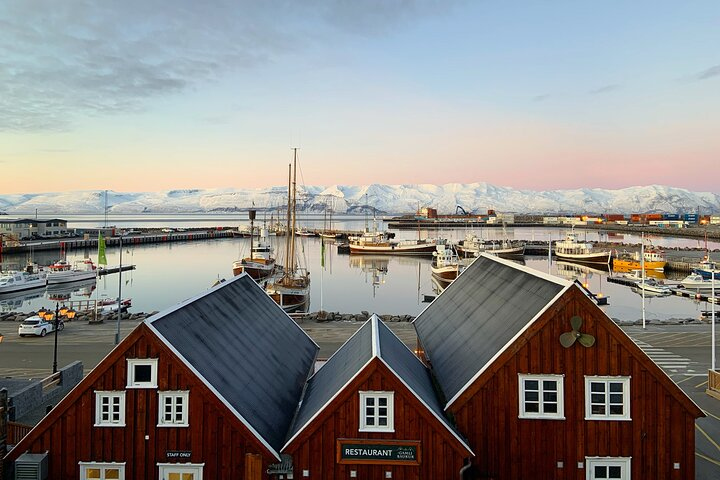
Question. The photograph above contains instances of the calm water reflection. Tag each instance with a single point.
(169, 273)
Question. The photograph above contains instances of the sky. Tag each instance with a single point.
(148, 95)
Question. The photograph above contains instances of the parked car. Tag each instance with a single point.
(38, 326)
(167, 230)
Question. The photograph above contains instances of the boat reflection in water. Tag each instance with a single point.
(375, 268)
(584, 273)
(62, 292)
(10, 302)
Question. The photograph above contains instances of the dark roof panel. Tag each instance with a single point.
(247, 349)
(478, 314)
(334, 375)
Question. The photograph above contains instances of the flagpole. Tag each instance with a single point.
(119, 301)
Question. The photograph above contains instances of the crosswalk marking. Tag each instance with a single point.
(666, 360)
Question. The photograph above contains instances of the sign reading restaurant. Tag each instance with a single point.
(363, 451)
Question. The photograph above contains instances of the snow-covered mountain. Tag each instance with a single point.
(391, 199)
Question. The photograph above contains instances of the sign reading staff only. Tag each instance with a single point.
(386, 452)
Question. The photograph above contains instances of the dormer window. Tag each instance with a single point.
(142, 372)
(377, 411)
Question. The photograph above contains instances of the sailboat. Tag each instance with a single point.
(292, 289)
(261, 263)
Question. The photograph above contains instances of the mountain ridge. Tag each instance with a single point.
(475, 197)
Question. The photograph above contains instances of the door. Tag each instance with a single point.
(180, 471)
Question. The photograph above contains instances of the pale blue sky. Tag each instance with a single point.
(527, 94)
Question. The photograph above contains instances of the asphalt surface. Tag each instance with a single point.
(683, 351)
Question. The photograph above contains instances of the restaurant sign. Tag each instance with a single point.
(361, 451)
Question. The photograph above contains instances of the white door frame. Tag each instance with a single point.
(196, 468)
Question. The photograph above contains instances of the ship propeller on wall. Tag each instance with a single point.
(568, 338)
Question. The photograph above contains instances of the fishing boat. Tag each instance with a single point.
(446, 264)
(62, 271)
(473, 246)
(695, 281)
(291, 290)
(261, 263)
(572, 249)
(17, 281)
(707, 268)
(653, 259)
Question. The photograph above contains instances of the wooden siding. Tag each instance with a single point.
(660, 433)
(215, 436)
(315, 448)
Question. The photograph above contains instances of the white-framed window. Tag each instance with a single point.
(142, 372)
(173, 408)
(607, 468)
(376, 411)
(102, 471)
(109, 409)
(180, 471)
(541, 396)
(607, 398)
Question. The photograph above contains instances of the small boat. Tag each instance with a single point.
(62, 271)
(653, 286)
(304, 232)
(106, 308)
(707, 268)
(654, 259)
(572, 249)
(446, 265)
(16, 281)
(695, 281)
(473, 246)
(291, 290)
(261, 263)
(377, 243)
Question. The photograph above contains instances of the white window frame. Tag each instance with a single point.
(197, 469)
(622, 462)
(185, 395)
(540, 378)
(99, 395)
(132, 363)
(390, 397)
(84, 466)
(607, 380)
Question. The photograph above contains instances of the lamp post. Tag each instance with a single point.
(57, 322)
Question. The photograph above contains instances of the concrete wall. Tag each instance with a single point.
(30, 400)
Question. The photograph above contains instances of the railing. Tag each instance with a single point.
(16, 432)
(51, 382)
(713, 388)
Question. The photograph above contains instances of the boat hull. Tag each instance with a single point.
(23, 287)
(256, 270)
(625, 265)
(66, 277)
(596, 257)
(394, 249)
(707, 273)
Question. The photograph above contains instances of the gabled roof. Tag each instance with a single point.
(374, 340)
(246, 349)
(481, 313)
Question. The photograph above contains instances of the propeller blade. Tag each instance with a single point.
(576, 323)
(567, 339)
(586, 340)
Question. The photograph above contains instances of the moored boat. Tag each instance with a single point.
(291, 290)
(707, 268)
(17, 281)
(695, 281)
(473, 246)
(653, 258)
(446, 265)
(653, 286)
(261, 263)
(572, 249)
(62, 271)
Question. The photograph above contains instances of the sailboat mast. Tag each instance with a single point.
(294, 206)
(288, 238)
(251, 213)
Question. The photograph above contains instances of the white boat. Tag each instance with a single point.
(707, 268)
(572, 249)
(261, 263)
(695, 281)
(291, 290)
(62, 271)
(16, 281)
(474, 246)
(653, 286)
(446, 264)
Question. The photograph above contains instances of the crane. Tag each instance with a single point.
(459, 210)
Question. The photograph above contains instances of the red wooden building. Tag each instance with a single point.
(545, 386)
(204, 390)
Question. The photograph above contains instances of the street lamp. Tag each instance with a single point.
(57, 323)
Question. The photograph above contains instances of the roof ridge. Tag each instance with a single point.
(376, 352)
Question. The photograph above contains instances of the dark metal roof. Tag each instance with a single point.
(477, 316)
(373, 339)
(246, 349)
(334, 375)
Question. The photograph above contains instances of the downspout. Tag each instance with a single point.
(465, 470)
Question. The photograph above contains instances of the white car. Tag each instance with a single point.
(38, 326)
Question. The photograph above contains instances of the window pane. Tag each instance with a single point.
(531, 384)
(382, 411)
(143, 373)
(112, 473)
(598, 409)
(616, 398)
(92, 473)
(551, 408)
(615, 472)
(550, 396)
(173, 476)
(597, 398)
(382, 421)
(549, 385)
(532, 407)
(369, 411)
(597, 387)
(382, 401)
(370, 421)
(616, 387)
(369, 401)
(188, 476)
(616, 409)
(532, 396)
(600, 471)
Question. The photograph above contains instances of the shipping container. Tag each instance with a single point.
(614, 217)
(671, 216)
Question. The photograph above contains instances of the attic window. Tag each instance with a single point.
(142, 372)
(541, 396)
(377, 411)
(607, 398)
